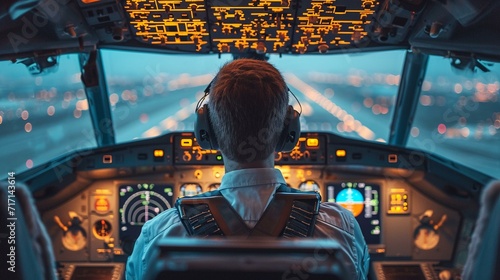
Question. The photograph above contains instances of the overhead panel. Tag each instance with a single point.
(261, 26)
(330, 24)
(176, 24)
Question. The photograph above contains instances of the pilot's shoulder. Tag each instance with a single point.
(167, 223)
(337, 216)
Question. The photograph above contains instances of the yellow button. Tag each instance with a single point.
(312, 142)
(186, 142)
(340, 153)
(158, 153)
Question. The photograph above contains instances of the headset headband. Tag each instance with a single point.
(205, 134)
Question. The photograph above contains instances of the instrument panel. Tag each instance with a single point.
(311, 149)
(101, 223)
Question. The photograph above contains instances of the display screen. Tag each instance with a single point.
(363, 200)
(139, 203)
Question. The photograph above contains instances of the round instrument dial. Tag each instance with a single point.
(102, 229)
(74, 239)
(190, 190)
(426, 237)
(309, 185)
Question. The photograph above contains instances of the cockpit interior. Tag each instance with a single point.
(399, 103)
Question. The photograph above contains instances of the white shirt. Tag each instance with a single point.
(249, 192)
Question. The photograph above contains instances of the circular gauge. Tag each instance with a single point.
(142, 206)
(426, 237)
(309, 185)
(190, 189)
(74, 239)
(140, 203)
(352, 200)
(102, 229)
(213, 187)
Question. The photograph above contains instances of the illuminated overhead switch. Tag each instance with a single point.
(312, 142)
(186, 142)
(158, 153)
(107, 159)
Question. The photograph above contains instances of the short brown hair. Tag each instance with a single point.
(248, 103)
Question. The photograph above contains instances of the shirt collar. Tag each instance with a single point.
(250, 177)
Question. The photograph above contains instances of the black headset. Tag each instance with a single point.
(205, 135)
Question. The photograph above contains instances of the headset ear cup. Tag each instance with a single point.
(291, 131)
(203, 130)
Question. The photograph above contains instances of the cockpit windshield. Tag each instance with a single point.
(153, 94)
(150, 94)
(458, 114)
(42, 116)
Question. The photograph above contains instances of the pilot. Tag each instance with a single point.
(247, 108)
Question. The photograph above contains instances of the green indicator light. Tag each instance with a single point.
(145, 202)
(219, 157)
(122, 193)
(167, 190)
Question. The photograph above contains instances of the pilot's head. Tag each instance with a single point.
(248, 103)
